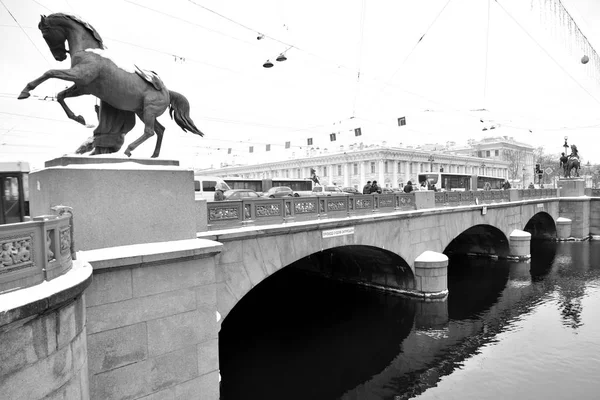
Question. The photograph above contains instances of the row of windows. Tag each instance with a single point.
(488, 153)
(423, 167)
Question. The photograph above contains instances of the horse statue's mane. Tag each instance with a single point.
(86, 25)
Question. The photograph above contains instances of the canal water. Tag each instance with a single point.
(518, 330)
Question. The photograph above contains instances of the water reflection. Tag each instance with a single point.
(305, 337)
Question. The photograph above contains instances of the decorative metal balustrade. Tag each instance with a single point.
(233, 214)
(35, 251)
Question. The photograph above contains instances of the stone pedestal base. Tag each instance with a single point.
(573, 187)
(431, 275)
(118, 203)
(563, 228)
(520, 245)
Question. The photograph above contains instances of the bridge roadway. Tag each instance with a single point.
(251, 254)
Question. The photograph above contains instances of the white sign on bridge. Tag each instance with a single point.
(338, 232)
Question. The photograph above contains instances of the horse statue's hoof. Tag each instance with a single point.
(23, 95)
(80, 119)
(128, 153)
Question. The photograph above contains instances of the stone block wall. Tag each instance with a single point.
(595, 217)
(152, 322)
(578, 211)
(43, 340)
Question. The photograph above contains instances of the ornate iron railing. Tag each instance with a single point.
(34, 251)
(233, 214)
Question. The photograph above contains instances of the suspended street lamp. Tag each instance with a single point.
(268, 64)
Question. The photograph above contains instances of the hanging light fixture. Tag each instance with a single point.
(268, 64)
(281, 57)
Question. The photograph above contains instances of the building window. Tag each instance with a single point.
(299, 173)
(339, 170)
(385, 167)
(496, 153)
(399, 167)
(487, 153)
(287, 173)
(372, 167)
(355, 167)
(324, 171)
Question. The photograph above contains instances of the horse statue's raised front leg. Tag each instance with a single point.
(81, 74)
(73, 91)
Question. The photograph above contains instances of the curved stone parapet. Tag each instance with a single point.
(34, 251)
(43, 342)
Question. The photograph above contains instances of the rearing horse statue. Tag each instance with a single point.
(124, 91)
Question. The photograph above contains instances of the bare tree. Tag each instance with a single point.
(516, 159)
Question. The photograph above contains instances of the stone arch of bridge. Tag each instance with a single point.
(541, 226)
(368, 265)
(480, 239)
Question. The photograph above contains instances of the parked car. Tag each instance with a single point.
(322, 191)
(240, 194)
(386, 190)
(279, 191)
(351, 190)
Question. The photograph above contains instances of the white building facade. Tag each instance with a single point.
(389, 166)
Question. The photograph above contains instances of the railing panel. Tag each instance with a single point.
(224, 214)
(405, 201)
(361, 204)
(34, 251)
(268, 211)
(305, 208)
(385, 203)
(334, 206)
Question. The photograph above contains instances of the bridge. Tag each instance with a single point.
(168, 270)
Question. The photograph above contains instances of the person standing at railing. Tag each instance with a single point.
(219, 192)
(408, 188)
(367, 188)
(375, 188)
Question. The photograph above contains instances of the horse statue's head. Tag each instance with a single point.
(55, 36)
(55, 30)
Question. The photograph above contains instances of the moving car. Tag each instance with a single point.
(240, 194)
(279, 191)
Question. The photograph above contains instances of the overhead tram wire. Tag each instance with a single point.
(546, 51)
(23, 30)
(388, 82)
(360, 49)
(487, 48)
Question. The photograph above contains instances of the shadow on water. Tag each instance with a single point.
(474, 284)
(300, 336)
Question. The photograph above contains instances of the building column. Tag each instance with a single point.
(395, 174)
(381, 174)
(363, 176)
(346, 169)
(406, 171)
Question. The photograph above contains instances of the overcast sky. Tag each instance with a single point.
(350, 64)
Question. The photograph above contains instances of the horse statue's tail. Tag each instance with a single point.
(179, 110)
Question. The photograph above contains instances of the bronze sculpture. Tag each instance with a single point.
(124, 92)
(572, 162)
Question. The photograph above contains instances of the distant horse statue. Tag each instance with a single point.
(124, 91)
(573, 162)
